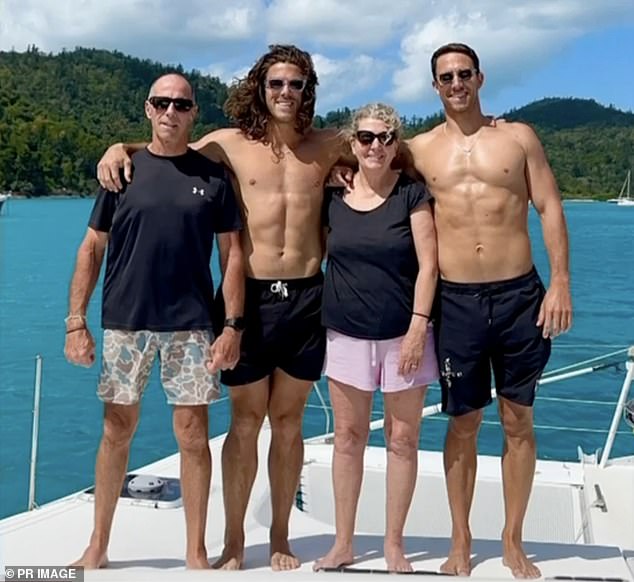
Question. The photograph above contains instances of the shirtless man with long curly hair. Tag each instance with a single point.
(280, 164)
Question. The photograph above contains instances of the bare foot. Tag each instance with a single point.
(520, 566)
(92, 559)
(396, 560)
(230, 559)
(337, 557)
(197, 562)
(282, 558)
(458, 561)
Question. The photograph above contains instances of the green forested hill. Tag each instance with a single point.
(58, 113)
(590, 147)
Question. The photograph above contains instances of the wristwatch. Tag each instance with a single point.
(236, 323)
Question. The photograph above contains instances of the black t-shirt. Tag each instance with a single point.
(372, 265)
(161, 236)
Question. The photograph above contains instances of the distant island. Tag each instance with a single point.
(59, 112)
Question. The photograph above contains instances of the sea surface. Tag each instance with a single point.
(38, 242)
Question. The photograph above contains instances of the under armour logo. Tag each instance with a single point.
(200, 191)
(280, 288)
(447, 373)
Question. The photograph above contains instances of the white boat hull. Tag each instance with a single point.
(564, 534)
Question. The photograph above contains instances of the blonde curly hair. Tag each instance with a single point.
(385, 113)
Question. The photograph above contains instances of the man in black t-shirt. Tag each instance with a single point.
(157, 299)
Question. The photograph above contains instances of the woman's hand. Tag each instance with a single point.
(412, 349)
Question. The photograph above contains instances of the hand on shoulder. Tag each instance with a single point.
(109, 168)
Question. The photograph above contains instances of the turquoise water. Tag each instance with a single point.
(38, 241)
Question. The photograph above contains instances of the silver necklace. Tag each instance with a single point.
(465, 150)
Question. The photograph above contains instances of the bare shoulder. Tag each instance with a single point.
(219, 136)
(329, 141)
(523, 133)
(422, 141)
(325, 136)
(217, 144)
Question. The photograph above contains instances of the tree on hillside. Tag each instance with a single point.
(59, 112)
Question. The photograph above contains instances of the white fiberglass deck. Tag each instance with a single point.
(148, 543)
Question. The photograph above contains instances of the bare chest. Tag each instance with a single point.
(451, 168)
(260, 170)
(488, 164)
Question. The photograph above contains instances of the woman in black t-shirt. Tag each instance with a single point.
(378, 292)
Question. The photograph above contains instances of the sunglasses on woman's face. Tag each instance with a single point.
(163, 103)
(366, 138)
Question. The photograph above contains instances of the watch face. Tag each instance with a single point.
(236, 323)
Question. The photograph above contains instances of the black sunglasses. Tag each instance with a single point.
(462, 74)
(279, 84)
(367, 138)
(163, 103)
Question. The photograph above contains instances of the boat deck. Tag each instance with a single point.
(149, 543)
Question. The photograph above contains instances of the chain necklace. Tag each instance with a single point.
(465, 150)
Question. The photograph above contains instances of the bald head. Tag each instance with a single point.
(171, 109)
(172, 82)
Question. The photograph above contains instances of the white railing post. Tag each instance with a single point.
(618, 412)
(35, 428)
(324, 406)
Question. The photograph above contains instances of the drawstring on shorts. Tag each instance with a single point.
(280, 289)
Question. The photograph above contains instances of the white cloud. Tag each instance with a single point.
(355, 43)
(340, 79)
(159, 29)
(225, 72)
(344, 23)
(509, 40)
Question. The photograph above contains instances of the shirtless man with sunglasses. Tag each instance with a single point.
(280, 164)
(493, 311)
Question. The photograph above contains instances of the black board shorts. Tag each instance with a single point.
(489, 326)
(283, 330)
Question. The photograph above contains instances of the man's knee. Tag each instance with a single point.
(247, 421)
(191, 428)
(286, 406)
(466, 426)
(518, 424)
(119, 424)
(286, 424)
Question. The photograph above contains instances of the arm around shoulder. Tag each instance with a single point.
(116, 158)
(416, 152)
(213, 145)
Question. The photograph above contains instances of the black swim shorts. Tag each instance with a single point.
(489, 326)
(283, 330)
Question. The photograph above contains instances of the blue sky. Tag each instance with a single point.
(363, 50)
(596, 65)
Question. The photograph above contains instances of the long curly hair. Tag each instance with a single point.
(246, 104)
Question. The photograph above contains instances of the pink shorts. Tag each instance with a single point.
(371, 364)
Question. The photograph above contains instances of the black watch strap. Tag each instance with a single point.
(236, 323)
